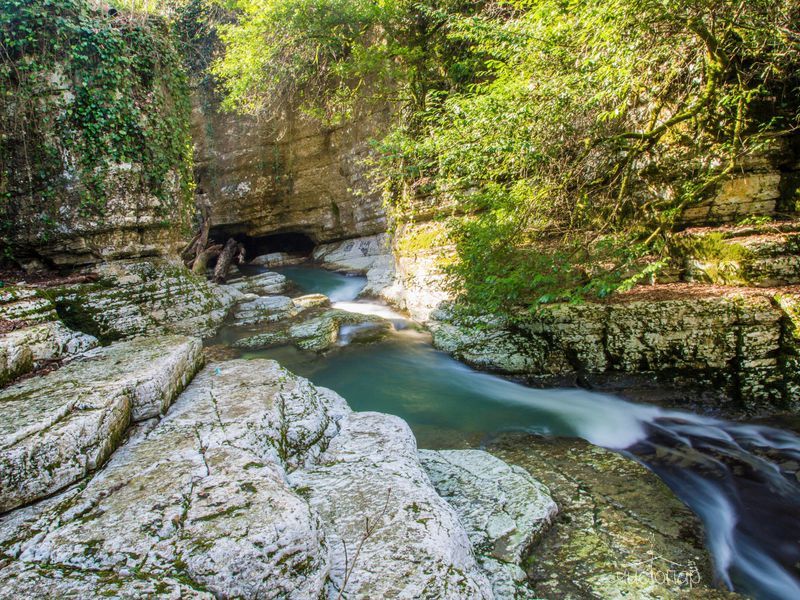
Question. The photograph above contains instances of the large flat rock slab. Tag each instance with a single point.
(503, 508)
(57, 428)
(195, 504)
(391, 534)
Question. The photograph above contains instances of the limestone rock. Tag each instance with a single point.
(288, 175)
(751, 194)
(24, 349)
(502, 507)
(370, 476)
(206, 488)
(619, 524)
(315, 335)
(57, 428)
(311, 301)
(371, 256)
(263, 284)
(731, 342)
(760, 259)
(264, 340)
(277, 259)
(145, 297)
(484, 343)
(322, 333)
(266, 309)
(318, 332)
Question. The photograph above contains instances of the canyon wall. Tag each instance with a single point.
(289, 175)
(94, 161)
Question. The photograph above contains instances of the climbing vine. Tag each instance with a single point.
(91, 101)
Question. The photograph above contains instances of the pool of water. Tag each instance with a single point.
(740, 479)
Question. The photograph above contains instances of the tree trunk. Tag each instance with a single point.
(198, 243)
(225, 260)
(201, 261)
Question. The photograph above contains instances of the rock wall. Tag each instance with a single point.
(94, 161)
(744, 346)
(288, 175)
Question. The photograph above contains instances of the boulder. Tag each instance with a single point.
(502, 507)
(196, 504)
(57, 428)
(266, 309)
(371, 256)
(320, 332)
(323, 332)
(277, 259)
(391, 535)
(263, 284)
(311, 301)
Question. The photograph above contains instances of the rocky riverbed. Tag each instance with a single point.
(125, 474)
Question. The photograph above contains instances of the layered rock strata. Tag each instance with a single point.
(59, 427)
(255, 485)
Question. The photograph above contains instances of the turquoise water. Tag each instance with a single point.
(335, 286)
(734, 476)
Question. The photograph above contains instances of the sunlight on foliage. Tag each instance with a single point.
(565, 138)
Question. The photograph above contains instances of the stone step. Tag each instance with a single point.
(57, 428)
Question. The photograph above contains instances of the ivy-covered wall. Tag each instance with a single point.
(95, 152)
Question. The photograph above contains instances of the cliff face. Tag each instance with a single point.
(286, 176)
(94, 161)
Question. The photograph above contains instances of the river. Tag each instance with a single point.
(740, 479)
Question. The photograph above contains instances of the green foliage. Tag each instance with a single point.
(565, 138)
(86, 96)
(321, 55)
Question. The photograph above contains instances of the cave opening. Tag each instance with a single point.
(293, 243)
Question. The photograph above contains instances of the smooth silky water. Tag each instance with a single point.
(740, 479)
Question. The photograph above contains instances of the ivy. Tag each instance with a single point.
(87, 95)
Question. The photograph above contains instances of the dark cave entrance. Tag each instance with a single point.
(293, 243)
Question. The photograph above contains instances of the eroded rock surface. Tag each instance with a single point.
(145, 297)
(503, 508)
(621, 532)
(402, 539)
(198, 502)
(251, 487)
(371, 256)
(734, 342)
(318, 333)
(266, 309)
(263, 284)
(40, 336)
(57, 428)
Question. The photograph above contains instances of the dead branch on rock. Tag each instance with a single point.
(370, 527)
(200, 263)
(224, 261)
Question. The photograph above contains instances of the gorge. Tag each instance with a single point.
(401, 386)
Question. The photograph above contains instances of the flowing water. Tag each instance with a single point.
(740, 479)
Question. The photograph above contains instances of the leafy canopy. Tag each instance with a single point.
(561, 139)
